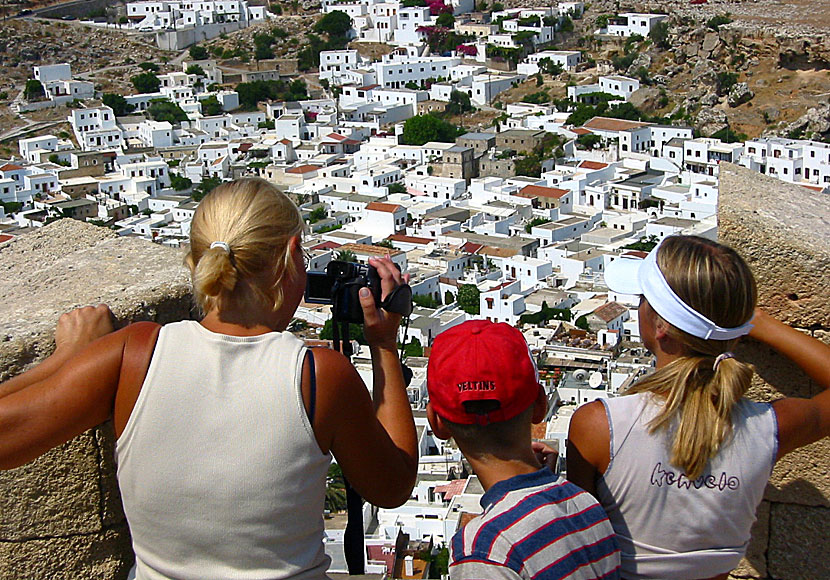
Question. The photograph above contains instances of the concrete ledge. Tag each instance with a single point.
(61, 515)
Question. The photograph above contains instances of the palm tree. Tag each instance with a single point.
(346, 256)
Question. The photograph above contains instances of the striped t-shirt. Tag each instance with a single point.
(538, 526)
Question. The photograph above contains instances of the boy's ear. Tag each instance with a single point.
(540, 407)
(438, 427)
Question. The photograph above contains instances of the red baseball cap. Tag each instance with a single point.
(481, 361)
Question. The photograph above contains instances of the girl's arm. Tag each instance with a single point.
(67, 394)
(589, 450)
(373, 439)
(800, 421)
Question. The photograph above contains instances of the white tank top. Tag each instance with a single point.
(668, 526)
(220, 473)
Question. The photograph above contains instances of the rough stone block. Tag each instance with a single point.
(55, 495)
(801, 477)
(84, 557)
(55, 510)
(754, 564)
(782, 231)
(799, 542)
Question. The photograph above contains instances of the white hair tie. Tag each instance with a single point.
(721, 357)
(222, 245)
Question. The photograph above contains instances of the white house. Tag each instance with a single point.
(567, 59)
(630, 23)
(96, 129)
(333, 63)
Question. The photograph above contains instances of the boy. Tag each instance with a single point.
(484, 392)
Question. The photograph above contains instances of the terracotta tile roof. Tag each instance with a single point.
(302, 169)
(635, 253)
(452, 489)
(609, 311)
(366, 249)
(540, 191)
(367, 87)
(351, 142)
(593, 165)
(336, 136)
(409, 239)
(245, 146)
(581, 131)
(386, 207)
(471, 247)
(10, 167)
(498, 252)
(326, 246)
(609, 124)
(285, 141)
(5, 238)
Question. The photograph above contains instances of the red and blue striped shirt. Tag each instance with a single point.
(536, 526)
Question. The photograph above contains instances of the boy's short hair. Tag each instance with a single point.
(481, 372)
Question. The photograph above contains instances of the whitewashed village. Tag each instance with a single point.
(513, 221)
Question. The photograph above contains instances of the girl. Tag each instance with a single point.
(226, 426)
(681, 462)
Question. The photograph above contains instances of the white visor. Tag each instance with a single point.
(634, 276)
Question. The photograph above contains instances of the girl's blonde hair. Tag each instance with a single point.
(256, 221)
(715, 281)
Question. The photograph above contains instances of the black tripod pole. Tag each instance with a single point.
(353, 537)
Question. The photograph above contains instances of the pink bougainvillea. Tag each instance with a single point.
(466, 49)
(437, 7)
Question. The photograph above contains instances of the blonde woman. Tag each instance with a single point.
(680, 463)
(226, 426)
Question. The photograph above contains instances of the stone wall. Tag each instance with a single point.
(61, 516)
(782, 231)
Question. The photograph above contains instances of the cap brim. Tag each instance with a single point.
(622, 275)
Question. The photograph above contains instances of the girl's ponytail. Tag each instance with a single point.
(700, 389)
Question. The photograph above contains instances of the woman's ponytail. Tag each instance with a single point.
(215, 273)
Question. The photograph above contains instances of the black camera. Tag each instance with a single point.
(339, 286)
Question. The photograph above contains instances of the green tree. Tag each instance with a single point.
(146, 82)
(547, 66)
(413, 348)
(161, 110)
(211, 106)
(118, 104)
(659, 35)
(645, 244)
(205, 187)
(717, 21)
(537, 221)
(421, 129)
(335, 489)
(317, 214)
(459, 103)
(445, 19)
(385, 244)
(355, 332)
(346, 256)
(498, 6)
(34, 90)
(195, 69)
(567, 24)
(589, 141)
(397, 188)
(468, 298)
(180, 183)
(582, 322)
(335, 23)
(149, 66)
(425, 301)
(275, 8)
(198, 52)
